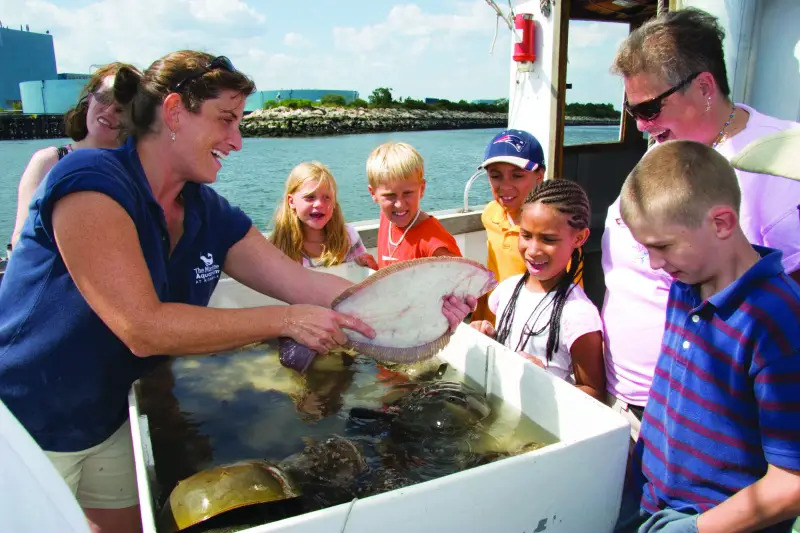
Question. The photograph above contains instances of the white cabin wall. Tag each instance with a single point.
(762, 46)
(775, 83)
(532, 95)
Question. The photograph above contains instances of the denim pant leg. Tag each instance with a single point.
(670, 521)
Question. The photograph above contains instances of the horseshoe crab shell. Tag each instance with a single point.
(217, 490)
(441, 407)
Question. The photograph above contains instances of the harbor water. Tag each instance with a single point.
(253, 178)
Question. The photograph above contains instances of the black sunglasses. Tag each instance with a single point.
(219, 62)
(104, 96)
(650, 109)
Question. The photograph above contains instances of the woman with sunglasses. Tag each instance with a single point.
(117, 269)
(676, 87)
(94, 122)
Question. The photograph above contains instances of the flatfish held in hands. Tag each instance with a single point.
(403, 304)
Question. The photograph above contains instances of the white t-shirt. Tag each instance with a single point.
(578, 317)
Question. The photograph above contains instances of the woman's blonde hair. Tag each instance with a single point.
(287, 234)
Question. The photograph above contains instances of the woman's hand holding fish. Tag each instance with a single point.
(320, 328)
(456, 310)
(484, 326)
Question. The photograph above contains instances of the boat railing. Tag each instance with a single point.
(467, 187)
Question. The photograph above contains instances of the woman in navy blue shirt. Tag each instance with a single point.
(116, 263)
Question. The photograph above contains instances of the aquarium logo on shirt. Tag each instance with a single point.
(209, 271)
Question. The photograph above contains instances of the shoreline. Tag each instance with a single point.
(310, 122)
(323, 121)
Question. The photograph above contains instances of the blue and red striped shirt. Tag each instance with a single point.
(725, 399)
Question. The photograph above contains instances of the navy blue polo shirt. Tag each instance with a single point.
(724, 400)
(63, 373)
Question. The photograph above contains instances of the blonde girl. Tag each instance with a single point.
(309, 225)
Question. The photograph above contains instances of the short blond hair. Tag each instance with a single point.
(678, 182)
(392, 162)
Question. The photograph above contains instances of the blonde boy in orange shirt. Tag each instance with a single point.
(396, 173)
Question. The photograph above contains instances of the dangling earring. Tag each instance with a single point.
(172, 133)
(708, 104)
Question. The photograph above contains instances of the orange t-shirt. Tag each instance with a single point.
(421, 240)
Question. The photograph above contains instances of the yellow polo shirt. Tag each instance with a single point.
(503, 258)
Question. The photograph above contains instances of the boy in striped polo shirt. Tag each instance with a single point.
(719, 449)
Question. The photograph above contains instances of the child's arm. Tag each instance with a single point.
(772, 499)
(484, 326)
(587, 363)
(366, 260)
(439, 252)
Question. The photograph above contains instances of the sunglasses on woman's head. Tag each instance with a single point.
(650, 109)
(219, 62)
(104, 96)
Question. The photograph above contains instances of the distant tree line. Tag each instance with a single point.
(591, 110)
(382, 98)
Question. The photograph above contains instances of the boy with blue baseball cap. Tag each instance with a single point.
(514, 161)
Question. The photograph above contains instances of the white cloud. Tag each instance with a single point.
(410, 21)
(295, 40)
(438, 51)
(227, 11)
(137, 31)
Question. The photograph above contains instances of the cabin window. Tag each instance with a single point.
(593, 110)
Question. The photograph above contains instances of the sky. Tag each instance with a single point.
(423, 48)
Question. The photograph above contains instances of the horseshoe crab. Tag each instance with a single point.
(221, 489)
(430, 409)
(431, 431)
(327, 471)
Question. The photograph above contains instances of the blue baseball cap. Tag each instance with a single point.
(517, 147)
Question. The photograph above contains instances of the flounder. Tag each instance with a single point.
(403, 304)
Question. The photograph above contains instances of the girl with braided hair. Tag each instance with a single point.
(543, 314)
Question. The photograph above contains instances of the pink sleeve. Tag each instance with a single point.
(356, 244)
(578, 318)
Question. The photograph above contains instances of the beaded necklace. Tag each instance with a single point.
(403, 236)
(721, 135)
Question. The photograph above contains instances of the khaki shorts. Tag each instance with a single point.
(103, 476)
(622, 408)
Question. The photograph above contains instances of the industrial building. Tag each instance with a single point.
(52, 96)
(259, 98)
(24, 55)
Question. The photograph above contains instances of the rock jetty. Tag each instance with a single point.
(284, 122)
(313, 121)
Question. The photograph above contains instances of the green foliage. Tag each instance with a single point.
(292, 103)
(358, 102)
(381, 97)
(16, 105)
(591, 110)
(333, 100)
(410, 103)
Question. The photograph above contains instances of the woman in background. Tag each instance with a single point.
(94, 122)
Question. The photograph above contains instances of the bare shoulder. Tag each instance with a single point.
(46, 156)
(40, 164)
